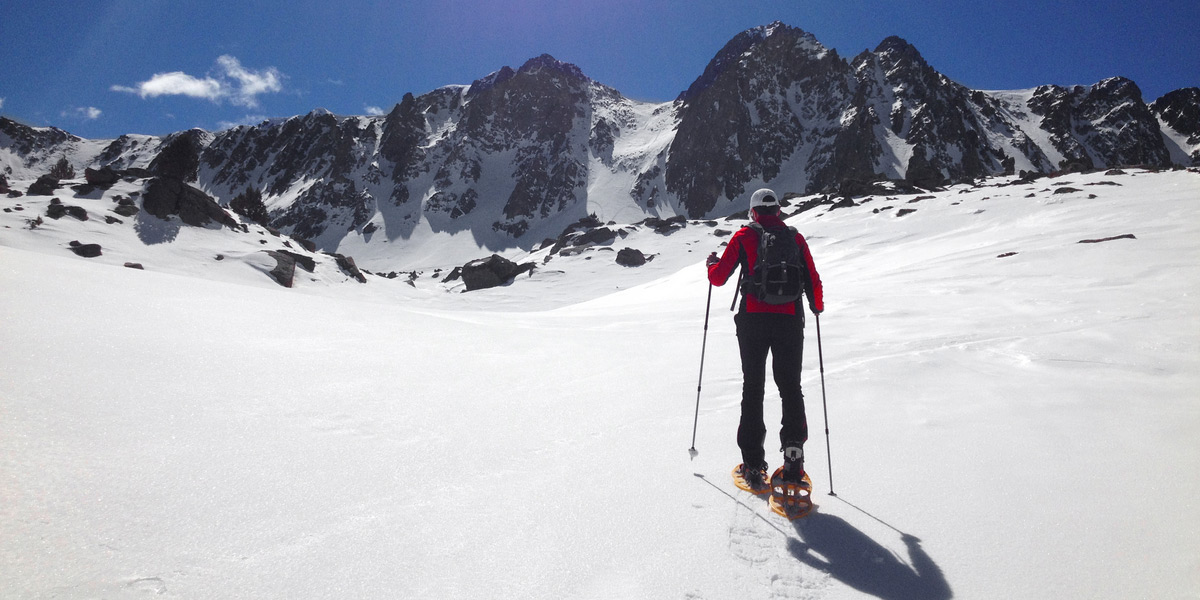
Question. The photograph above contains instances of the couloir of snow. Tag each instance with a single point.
(1018, 427)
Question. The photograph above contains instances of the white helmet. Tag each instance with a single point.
(763, 197)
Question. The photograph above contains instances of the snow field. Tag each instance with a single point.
(1000, 427)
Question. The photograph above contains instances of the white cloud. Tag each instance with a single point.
(251, 83)
(241, 86)
(176, 83)
(86, 113)
(374, 111)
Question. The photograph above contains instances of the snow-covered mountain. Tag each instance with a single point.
(519, 155)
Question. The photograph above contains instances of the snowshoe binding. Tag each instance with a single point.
(791, 488)
(753, 480)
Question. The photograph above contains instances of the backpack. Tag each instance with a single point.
(779, 270)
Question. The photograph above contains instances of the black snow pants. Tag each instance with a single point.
(783, 337)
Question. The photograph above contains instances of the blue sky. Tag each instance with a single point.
(103, 68)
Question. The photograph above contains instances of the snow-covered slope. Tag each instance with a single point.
(1012, 414)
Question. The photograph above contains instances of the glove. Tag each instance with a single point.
(712, 259)
(815, 310)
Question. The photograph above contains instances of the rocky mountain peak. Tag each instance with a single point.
(552, 65)
(1119, 88)
(765, 44)
(898, 49)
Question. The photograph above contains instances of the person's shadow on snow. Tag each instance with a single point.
(834, 546)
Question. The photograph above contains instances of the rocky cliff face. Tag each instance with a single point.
(1179, 114)
(1106, 124)
(520, 153)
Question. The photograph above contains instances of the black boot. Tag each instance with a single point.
(793, 462)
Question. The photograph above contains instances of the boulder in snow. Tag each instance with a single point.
(492, 271)
(166, 197)
(630, 257)
(104, 177)
(58, 210)
(285, 268)
(85, 250)
(44, 186)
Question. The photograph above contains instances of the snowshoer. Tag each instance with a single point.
(770, 320)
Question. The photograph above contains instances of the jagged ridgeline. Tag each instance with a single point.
(519, 154)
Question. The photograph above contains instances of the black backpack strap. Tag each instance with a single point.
(744, 284)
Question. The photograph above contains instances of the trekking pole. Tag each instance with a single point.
(824, 406)
(741, 273)
(692, 452)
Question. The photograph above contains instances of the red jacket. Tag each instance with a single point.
(743, 250)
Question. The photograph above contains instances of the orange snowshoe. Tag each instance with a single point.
(758, 483)
(791, 498)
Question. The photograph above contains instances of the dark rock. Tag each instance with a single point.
(133, 265)
(1127, 236)
(166, 197)
(103, 177)
(304, 262)
(126, 210)
(631, 257)
(601, 235)
(1067, 190)
(490, 272)
(44, 186)
(1027, 177)
(665, 226)
(584, 224)
(111, 220)
(1006, 255)
(285, 268)
(306, 244)
(85, 250)
(905, 211)
(346, 264)
(59, 210)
